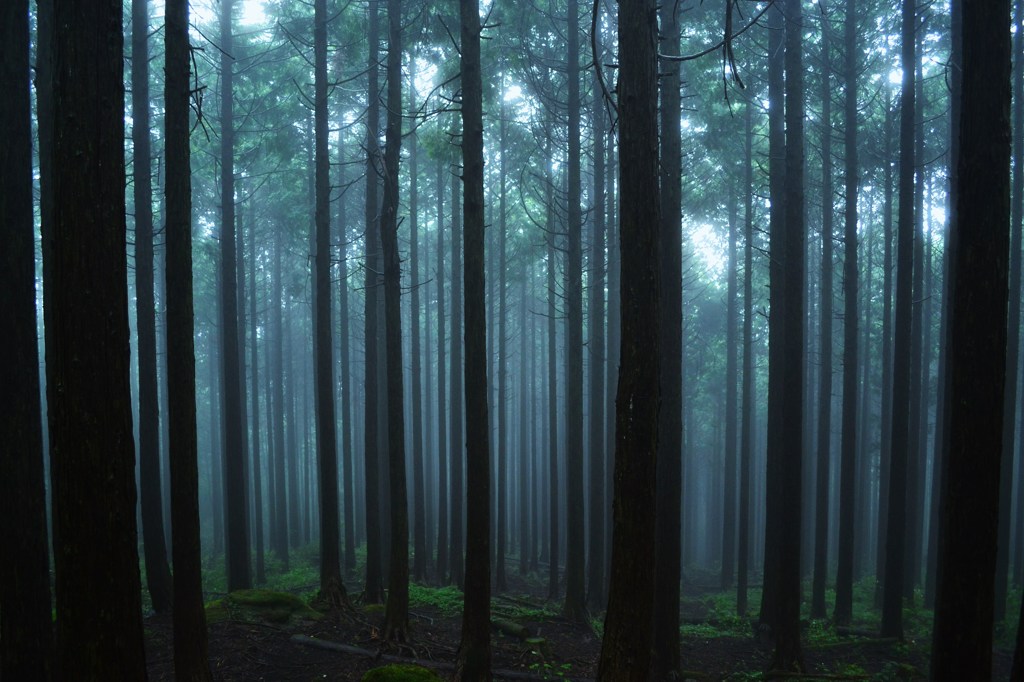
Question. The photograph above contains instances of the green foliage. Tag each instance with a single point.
(259, 605)
(551, 671)
(401, 673)
(447, 600)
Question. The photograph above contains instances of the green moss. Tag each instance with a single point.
(448, 600)
(401, 673)
(259, 605)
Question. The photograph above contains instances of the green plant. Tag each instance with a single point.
(400, 672)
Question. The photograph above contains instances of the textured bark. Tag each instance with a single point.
(396, 617)
(626, 646)
(191, 660)
(92, 449)
(26, 626)
(665, 655)
(474, 656)
(962, 643)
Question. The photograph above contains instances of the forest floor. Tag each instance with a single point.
(532, 641)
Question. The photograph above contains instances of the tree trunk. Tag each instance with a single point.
(962, 643)
(748, 405)
(26, 624)
(92, 451)
(442, 401)
(626, 646)
(457, 437)
(474, 656)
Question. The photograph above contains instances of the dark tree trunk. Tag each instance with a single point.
(598, 590)
(748, 405)
(419, 569)
(626, 646)
(373, 592)
(892, 600)
(257, 467)
(553, 487)
(396, 617)
(26, 626)
(500, 581)
(728, 571)
(824, 444)
(236, 505)
(788, 656)
(92, 451)
(345, 380)
(574, 606)
(474, 657)
(457, 434)
(667, 567)
(331, 587)
(158, 574)
(776, 186)
(968, 531)
(191, 661)
(442, 401)
(848, 454)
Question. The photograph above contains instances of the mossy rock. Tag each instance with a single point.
(260, 605)
(400, 672)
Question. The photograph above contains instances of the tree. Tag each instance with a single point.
(892, 598)
(191, 661)
(848, 454)
(236, 506)
(574, 606)
(331, 587)
(670, 332)
(373, 592)
(962, 641)
(92, 451)
(474, 657)
(625, 648)
(442, 426)
(396, 617)
(26, 627)
(158, 574)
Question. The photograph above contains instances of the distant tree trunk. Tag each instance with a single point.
(788, 656)
(728, 571)
(500, 581)
(776, 186)
(158, 574)
(420, 553)
(748, 404)
(373, 592)
(236, 505)
(597, 592)
(848, 454)
(626, 646)
(824, 444)
(962, 644)
(26, 626)
(280, 495)
(331, 586)
(257, 467)
(345, 380)
(574, 606)
(396, 617)
(528, 453)
(85, 284)
(667, 567)
(442, 398)
(457, 437)
(885, 446)
(474, 657)
(191, 660)
(553, 487)
(892, 602)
